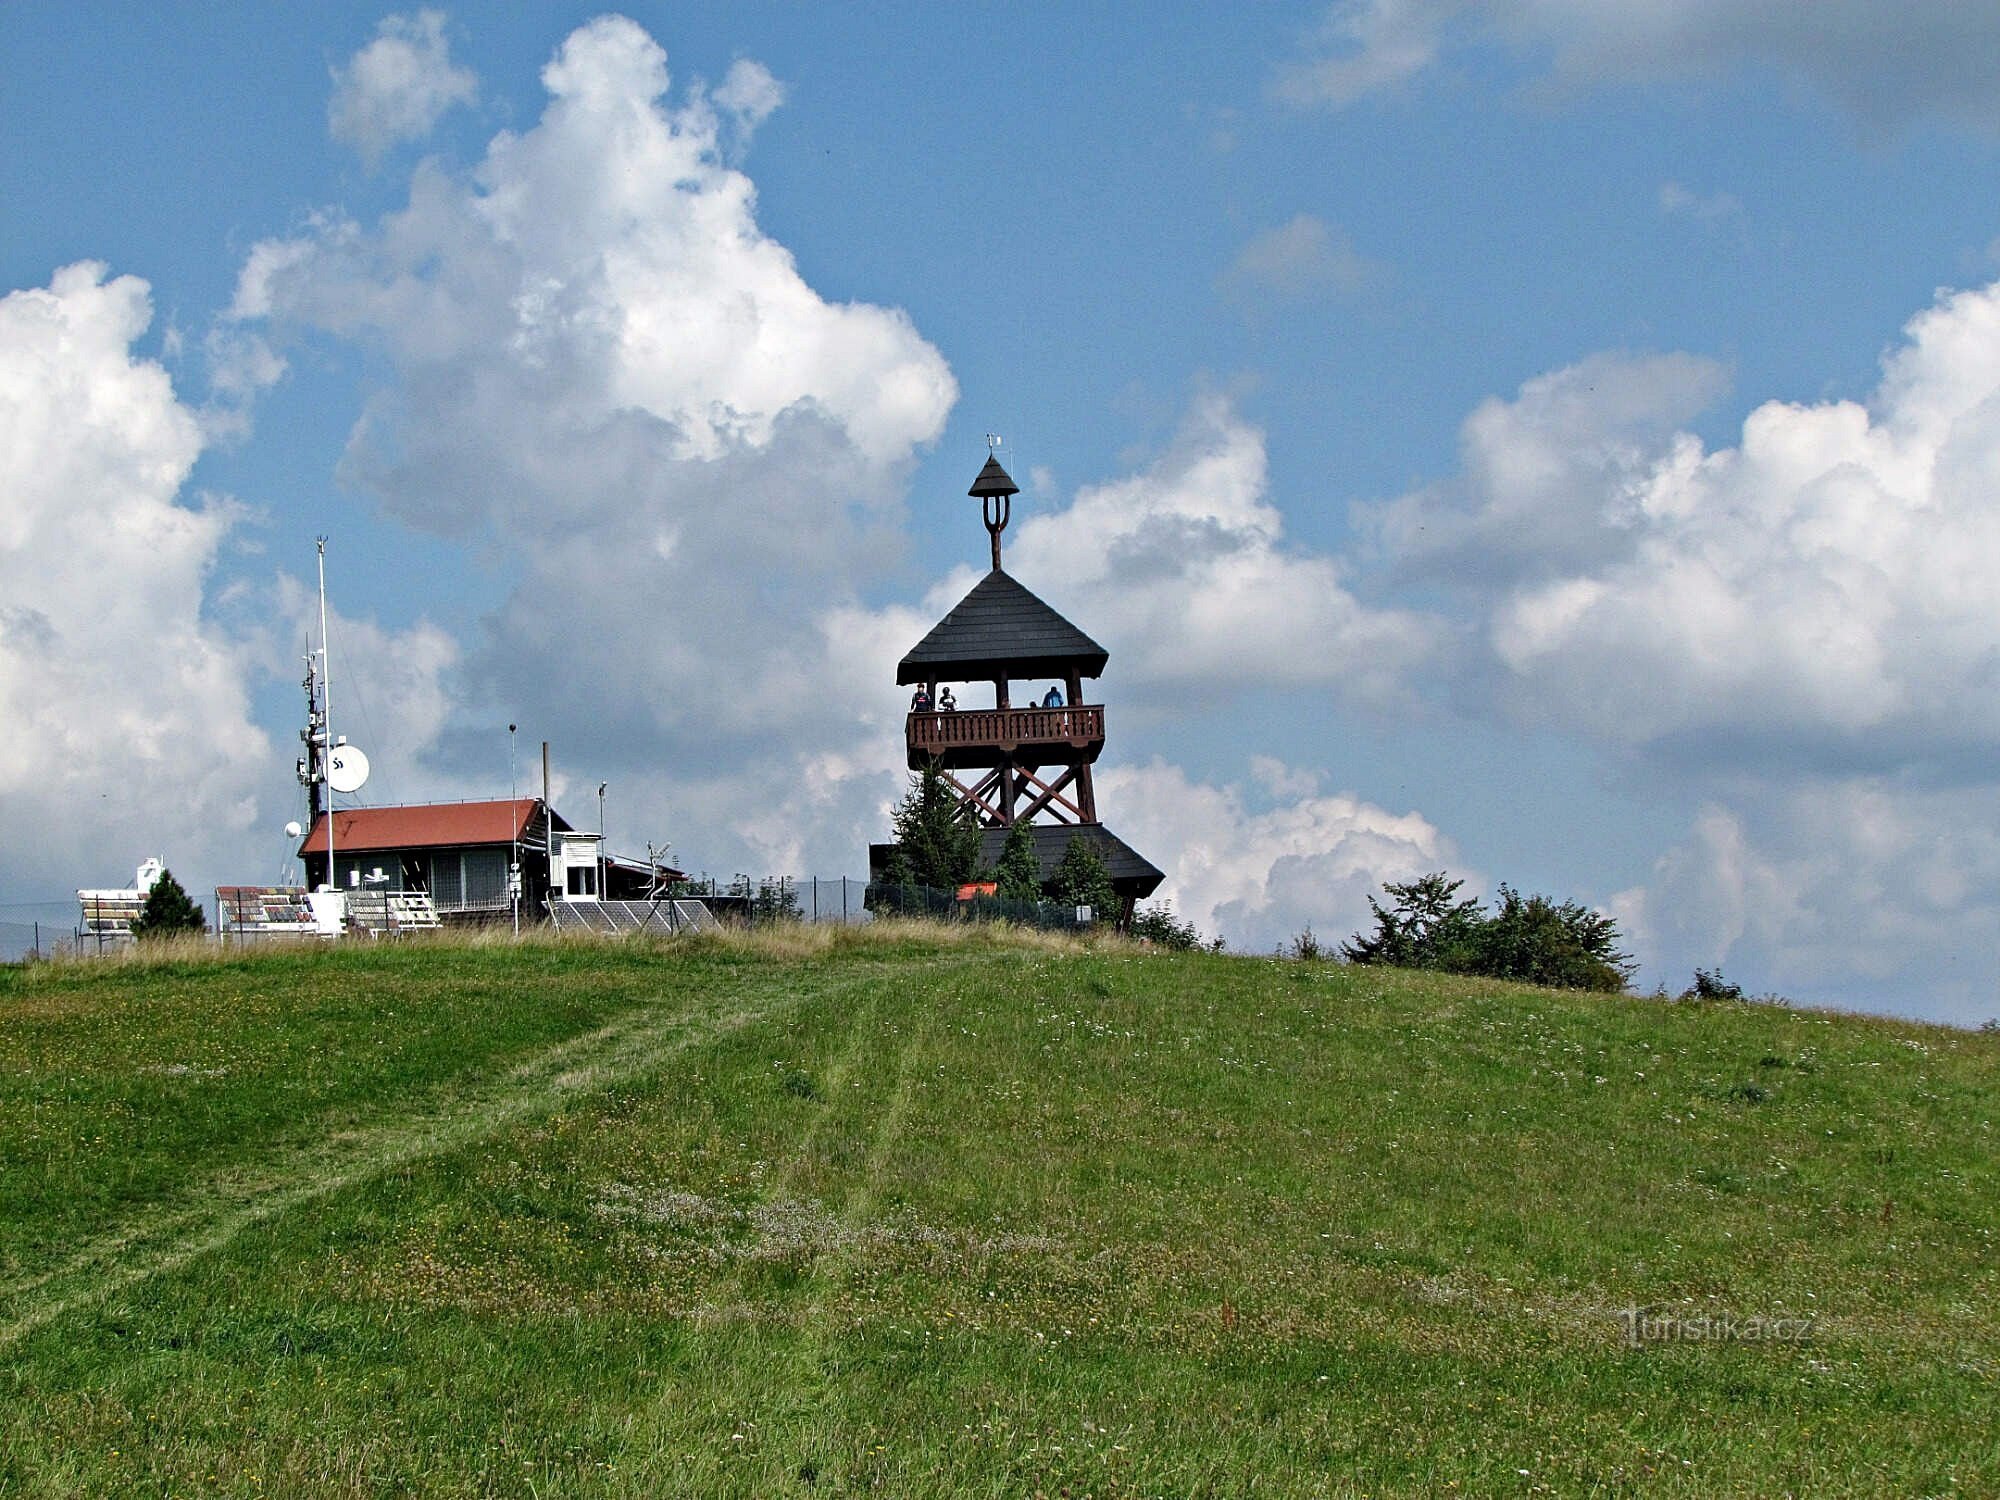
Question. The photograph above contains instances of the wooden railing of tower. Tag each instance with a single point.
(1006, 728)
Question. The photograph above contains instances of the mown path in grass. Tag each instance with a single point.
(214, 1210)
(367, 1139)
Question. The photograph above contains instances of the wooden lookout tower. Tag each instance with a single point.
(1026, 762)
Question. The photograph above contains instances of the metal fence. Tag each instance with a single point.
(740, 900)
(806, 898)
(33, 939)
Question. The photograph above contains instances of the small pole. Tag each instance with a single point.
(326, 718)
(514, 819)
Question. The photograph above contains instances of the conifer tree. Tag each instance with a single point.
(1082, 880)
(168, 909)
(1019, 871)
(936, 844)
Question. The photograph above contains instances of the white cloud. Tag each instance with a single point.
(1189, 584)
(398, 86)
(1799, 627)
(1857, 891)
(1885, 64)
(1258, 864)
(1553, 478)
(607, 374)
(1299, 259)
(749, 92)
(1365, 47)
(128, 727)
(1820, 590)
(1678, 201)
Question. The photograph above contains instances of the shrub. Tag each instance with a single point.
(1159, 926)
(1533, 939)
(1428, 928)
(775, 901)
(1710, 985)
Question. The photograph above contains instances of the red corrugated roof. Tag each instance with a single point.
(437, 825)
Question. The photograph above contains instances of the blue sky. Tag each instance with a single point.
(1545, 440)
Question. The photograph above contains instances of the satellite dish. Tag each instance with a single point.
(293, 830)
(346, 768)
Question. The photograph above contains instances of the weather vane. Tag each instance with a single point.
(992, 441)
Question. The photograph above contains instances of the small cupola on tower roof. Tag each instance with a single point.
(995, 490)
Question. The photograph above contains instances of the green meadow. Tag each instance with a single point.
(966, 1212)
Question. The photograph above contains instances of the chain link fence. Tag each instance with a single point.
(806, 898)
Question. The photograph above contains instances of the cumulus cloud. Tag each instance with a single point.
(397, 87)
(128, 727)
(1192, 588)
(1301, 259)
(1886, 64)
(1551, 478)
(1798, 627)
(1256, 863)
(1818, 592)
(1834, 890)
(608, 376)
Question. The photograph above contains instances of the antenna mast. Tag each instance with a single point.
(326, 714)
(309, 769)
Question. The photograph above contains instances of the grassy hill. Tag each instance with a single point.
(920, 1212)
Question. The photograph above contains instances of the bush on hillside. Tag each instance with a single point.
(1710, 985)
(1159, 926)
(1533, 939)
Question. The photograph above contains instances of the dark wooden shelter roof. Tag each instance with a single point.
(1132, 874)
(1001, 629)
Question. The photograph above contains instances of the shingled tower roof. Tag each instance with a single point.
(1000, 629)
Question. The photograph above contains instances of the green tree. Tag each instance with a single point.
(1540, 941)
(1082, 880)
(1158, 925)
(937, 843)
(775, 901)
(1533, 939)
(1019, 871)
(168, 909)
(1429, 927)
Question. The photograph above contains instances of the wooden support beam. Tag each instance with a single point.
(1050, 796)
